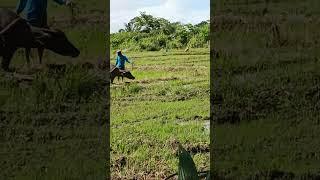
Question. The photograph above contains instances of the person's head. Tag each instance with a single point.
(119, 53)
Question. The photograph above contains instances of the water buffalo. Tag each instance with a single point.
(15, 33)
(116, 72)
(127, 74)
(54, 40)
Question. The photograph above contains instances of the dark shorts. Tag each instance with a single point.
(40, 22)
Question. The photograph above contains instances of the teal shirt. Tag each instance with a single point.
(36, 11)
(121, 60)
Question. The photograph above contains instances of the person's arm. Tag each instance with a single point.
(22, 4)
(117, 60)
(125, 57)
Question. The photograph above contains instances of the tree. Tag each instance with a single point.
(128, 27)
(146, 32)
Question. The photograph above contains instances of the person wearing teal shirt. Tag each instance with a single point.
(36, 10)
(121, 60)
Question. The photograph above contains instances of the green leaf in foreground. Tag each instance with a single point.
(187, 168)
(208, 176)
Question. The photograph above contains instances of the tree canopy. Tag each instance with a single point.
(146, 32)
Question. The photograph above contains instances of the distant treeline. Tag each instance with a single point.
(148, 33)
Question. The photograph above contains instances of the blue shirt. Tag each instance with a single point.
(36, 11)
(121, 60)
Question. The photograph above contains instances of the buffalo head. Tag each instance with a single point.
(56, 41)
(127, 74)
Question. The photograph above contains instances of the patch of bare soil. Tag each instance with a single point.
(148, 81)
(190, 148)
(231, 117)
(169, 69)
(278, 174)
(198, 148)
(120, 162)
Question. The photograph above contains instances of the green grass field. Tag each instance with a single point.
(266, 89)
(54, 127)
(168, 102)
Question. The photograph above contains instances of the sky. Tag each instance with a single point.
(185, 11)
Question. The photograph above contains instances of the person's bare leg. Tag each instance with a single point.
(7, 58)
(27, 51)
(122, 74)
(40, 53)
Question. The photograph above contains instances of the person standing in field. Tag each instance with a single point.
(121, 60)
(36, 15)
(36, 11)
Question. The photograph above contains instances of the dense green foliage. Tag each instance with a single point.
(149, 33)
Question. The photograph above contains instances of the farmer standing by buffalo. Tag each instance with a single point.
(36, 15)
(119, 69)
(121, 60)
